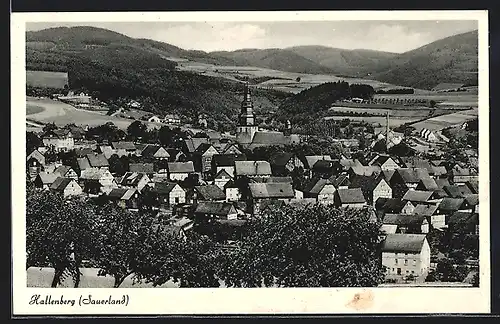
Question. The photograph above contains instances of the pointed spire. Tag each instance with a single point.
(247, 92)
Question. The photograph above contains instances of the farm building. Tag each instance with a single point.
(428, 135)
(447, 86)
(45, 79)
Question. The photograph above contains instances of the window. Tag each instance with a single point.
(412, 272)
(176, 200)
(396, 261)
(407, 272)
(414, 262)
(406, 262)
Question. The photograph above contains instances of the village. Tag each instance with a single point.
(208, 175)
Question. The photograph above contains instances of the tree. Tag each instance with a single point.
(190, 263)
(298, 79)
(118, 165)
(137, 130)
(59, 233)
(49, 127)
(117, 243)
(33, 142)
(312, 246)
(432, 104)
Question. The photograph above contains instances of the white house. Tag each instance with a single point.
(154, 119)
(66, 186)
(180, 170)
(406, 254)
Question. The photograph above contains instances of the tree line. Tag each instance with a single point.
(311, 246)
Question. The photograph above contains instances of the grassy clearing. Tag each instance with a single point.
(439, 122)
(33, 109)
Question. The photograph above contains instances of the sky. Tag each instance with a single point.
(390, 36)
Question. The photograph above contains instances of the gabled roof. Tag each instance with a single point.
(412, 175)
(428, 184)
(403, 219)
(425, 210)
(366, 170)
(464, 190)
(271, 190)
(271, 204)
(472, 199)
(451, 204)
(316, 185)
(341, 180)
(461, 217)
(381, 159)
(83, 163)
(223, 160)
(181, 167)
(439, 170)
(324, 165)
(459, 171)
(252, 168)
(60, 183)
(415, 162)
(214, 208)
(48, 178)
(274, 179)
(390, 205)
(121, 193)
(164, 187)
(93, 174)
(107, 150)
(210, 192)
(150, 150)
(83, 151)
(441, 183)
(268, 138)
(193, 143)
(122, 145)
(97, 160)
(312, 159)
(229, 146)
(222, 173)
(410, 243)
(349, 163)
(59, 133)
(132, 178)
(453, 191)
(147, 168)
(280, 159)
(473, 186)
(351, 196)
(62, 170)
(37, 156)
(203, 147)
(387, 174)
(365, 183)
(417, 195)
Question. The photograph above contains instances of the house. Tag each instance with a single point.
(172, 119)
(411, 224)
(461, 175)
(83, 151)
(428, 135)
(206, 193)
(385, 162)
(124, 145)
(232, 191)
(269, 191)
(92, 187)
(191, 144)
(406, 254)
(373, 187)
(417, 196)
(44, 180)
(347, 164)
(59, 139)
(154, 119)
(103, 176)
(155, 152)
(179, 170)
(350, 198)
(449, 205)
(221, 178)
(320, 189)
(252, 169)
(427, 184)
(169, 194)
(203, 157)
(125, 198)
(231, 148)
(407, 178)
(439, 172)
(363, 170)
(283, 162)
(146, 168)
(134, 180)
(471, 202)
(66, 186)
(215, 210)
(66, 171)
(394, 138)
(107, 150)
(453, 191)
(226, 162)
(473, 186)
(325, 168)
(394, 206)
(97, 161)
(430, 212)
(35, 163)
(310, 160)
(341, 181)
(176, 155)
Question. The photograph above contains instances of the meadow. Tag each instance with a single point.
(440, 122)
(377, 121)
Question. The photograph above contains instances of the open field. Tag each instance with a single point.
(407, 112)
(285, 81)
(47, 79)
(440, 122)
(465, 99)
(33, 109)
(62, 114)
(377, 121)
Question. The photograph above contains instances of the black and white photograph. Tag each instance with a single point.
(219, 152)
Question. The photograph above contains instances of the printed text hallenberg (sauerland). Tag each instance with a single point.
(82, 300)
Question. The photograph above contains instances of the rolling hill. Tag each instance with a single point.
(357, 62)
(452, 59)
(113, 68)
(275, 59)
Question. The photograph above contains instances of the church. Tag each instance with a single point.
(250, 136)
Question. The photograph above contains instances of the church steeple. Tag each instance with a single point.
(247, 116)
